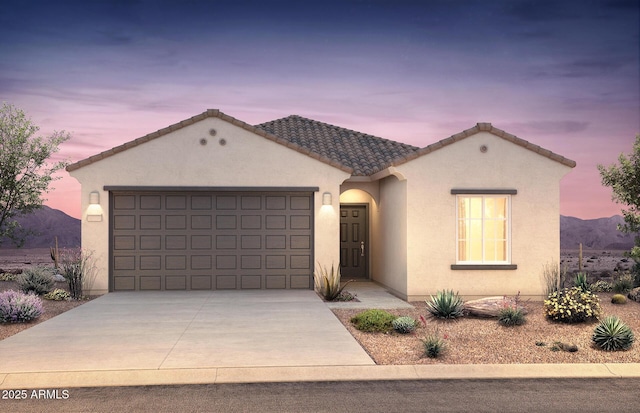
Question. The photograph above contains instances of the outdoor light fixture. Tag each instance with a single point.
(326, 198)
(94, 198)
(94, 212)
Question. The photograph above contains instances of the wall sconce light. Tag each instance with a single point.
(326, 198)
(94, 212)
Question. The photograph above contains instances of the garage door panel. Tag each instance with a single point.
(201, 262)
(176, 202)
(201, 241)
(277, 282)
(226, 282)
(251, 262)
(300, 281)
(201, 202)
(150, 202)
(150, 262)
(176, 282)
(150, 222)
(251, 282)
(176, 222)
(124, 283)
(175, 262)
(123, 222)
(201, 282)
(152, 282)
(250, 222)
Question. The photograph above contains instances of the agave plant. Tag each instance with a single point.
(612, 334)
(327, 283)
(446, 304)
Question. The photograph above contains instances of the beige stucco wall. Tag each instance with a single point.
(431, 216)
(391, 262)
(178, 159)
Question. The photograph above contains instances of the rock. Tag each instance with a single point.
(571, 348)
(59, 278)
(634, 294)
(490, 306)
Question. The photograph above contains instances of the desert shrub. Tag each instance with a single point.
(635, 271)
(612, 334)
(553, 276)
(327, 283)
(446, 304)
(618, 299)
(345, 296)
(404, 324)
(601, 286)
(18, 307)
(572, 305)
(433, 345)
(7, 276)
(373, 320)
(38, 280)
(623, 284)
(581, 281)
(511, 316)
(57, 295)
(77, 267)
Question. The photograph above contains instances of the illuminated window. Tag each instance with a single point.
(483, 232)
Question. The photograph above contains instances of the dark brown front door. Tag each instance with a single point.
(353, 241)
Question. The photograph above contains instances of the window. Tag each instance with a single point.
(483, 230)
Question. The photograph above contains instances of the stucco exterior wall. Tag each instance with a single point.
(178, 159)
(431, 216)
(391, 260)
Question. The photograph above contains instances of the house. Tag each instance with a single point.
(215, 203)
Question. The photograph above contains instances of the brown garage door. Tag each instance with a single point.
(211, 240)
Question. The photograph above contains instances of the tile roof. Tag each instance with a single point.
(365, 154)
(354, 152)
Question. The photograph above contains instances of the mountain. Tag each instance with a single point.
(599, 233)
(49, 223)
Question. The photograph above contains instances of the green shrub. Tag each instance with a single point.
(511, 316)
(433, 345)
(327, 284)
(613, 335)
(572, 305)
(57, 295)
(38, 280)
(581, 281)
(618, 299)
(601, 286)
(446, 304)
(623, 284)
(18, 307)
(404, 324)
(373, 320)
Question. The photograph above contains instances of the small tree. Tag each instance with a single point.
(24, 171)
(624, 180)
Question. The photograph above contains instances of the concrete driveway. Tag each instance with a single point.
(186, 330)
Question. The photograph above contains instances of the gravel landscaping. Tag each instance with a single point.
(484, 341)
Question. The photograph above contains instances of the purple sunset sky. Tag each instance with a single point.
(561, 74)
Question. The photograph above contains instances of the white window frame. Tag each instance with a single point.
(508, 229)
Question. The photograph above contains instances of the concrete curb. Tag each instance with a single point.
(107, 378)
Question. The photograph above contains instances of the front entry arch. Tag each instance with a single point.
(354, 241)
